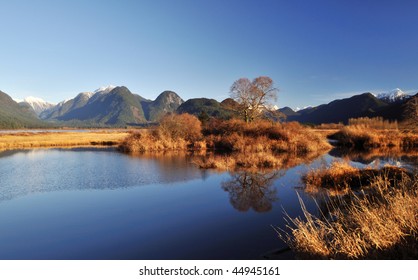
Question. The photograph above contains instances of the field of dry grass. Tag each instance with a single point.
(232, 143)
(365, 137)
(342, 178)
(379, 222)
(27, 140)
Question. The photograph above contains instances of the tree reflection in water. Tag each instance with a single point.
(252, 190)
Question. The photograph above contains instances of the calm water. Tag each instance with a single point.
(101, 204)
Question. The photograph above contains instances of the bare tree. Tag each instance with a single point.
(253, 96)
(252, 190)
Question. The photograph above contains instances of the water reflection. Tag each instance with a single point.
(252, 190)
(173, 166)
(407, 158)
(47, 170)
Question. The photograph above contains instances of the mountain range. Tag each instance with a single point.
(119, 107)
(106, 106)
(14, 115)
(390, 106)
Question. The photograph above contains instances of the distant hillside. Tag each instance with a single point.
(37, 104)
(64, 107)
(111, 106)
(210, 107)
(13, 115)
(400, 111)
(118, 107)
(288, 112)
(166, 102)
(362, 105)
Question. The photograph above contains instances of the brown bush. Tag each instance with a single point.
(263, 136)
(255, 144)
(184, 126)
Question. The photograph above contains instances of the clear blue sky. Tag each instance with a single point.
(315, 51)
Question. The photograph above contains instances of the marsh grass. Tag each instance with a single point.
(377, 223)
(233, 143)
(341, 178)
(61, 139)
(366, 137)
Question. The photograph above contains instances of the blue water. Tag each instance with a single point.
(101, 204)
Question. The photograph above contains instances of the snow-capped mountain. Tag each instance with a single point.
(297, 109)
(113, 106)
(272, 107)
(104, 89)
(100, 91)
(38, 105)
(394, 95)
(79, 101)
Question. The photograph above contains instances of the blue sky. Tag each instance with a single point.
(315, 51)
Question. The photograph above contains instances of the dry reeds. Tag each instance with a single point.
(364, 137)
(374, 123)
(341, 178)
(263, 136)
(238, 144)
(380, 223)
(61, 139)
(175, 132)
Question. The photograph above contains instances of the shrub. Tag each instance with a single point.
(255, 144)
(184, 126)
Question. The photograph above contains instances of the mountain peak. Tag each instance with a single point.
(396, 91)
(170, 96)
(393, 95)
(105, 89)
(297, 109)
(32, 99)
(38, 104)
(86, 94)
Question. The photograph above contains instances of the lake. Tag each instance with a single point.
(102, 204)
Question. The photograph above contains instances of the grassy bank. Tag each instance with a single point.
(232, 143)
(379, 222)
(342, 178)
(61, 139)
(365, 137)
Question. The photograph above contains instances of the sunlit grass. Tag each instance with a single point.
(380, 222)
(235, 143)
(364, 137)
(61, 139)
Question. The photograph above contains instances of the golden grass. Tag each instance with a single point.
(61, 139)
(381, 223)
(364, 137)
(263, 136)
(237, 144)
(153, 140)
(374, 123)
(341, 178)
